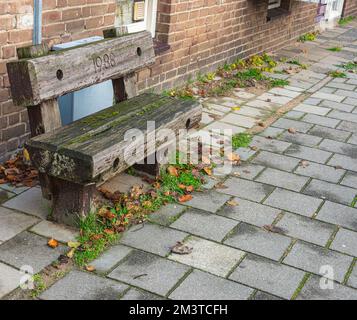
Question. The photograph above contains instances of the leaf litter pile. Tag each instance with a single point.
(18, 171)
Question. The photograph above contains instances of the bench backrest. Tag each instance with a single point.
(36, 80)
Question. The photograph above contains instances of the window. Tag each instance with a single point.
(130, 13)
(272, 4)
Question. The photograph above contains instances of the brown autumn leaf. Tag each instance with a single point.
(232, 203)
(304, 163)
(185, 198)
(109, 231)
(181, 186)
(180, 248)
(70, 253)
(292, 130)
(2, 181)
(274, 229)
(220, 185)
(90, 268)
(208, 170)
(189, 188)
(52, 243)
(172, 171)
(233, 157)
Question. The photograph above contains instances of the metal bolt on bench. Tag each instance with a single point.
(72, 160)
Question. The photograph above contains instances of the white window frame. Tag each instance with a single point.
(149, 22)
(272, 4)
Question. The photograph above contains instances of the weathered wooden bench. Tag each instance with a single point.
(72, 160)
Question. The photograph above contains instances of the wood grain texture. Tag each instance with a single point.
(87, 149)
(40, 79)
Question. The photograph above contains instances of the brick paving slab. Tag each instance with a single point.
(308, 153)
(313, 101)
(12, 223)
(343, 161)
(246, 189)
(135, 294)
(169, 213)
(346, 242)
(92, 287)
(282, 179)
(56, 231)
(348, 126)
(245, 153)
(351, 101)
(10, 279)
(269, 144)
(298, 125)
(339, 147)
(274, 98)
(306, 229)
(312, 109)
(141, 237)
(301, 138)
(294, 202)
(258, 241)
(276, 161)
(149, 272)
(248, 171)
(353, 139)
(328, 96)
(238, 120)
(313, 291)
(29, 249)
(272, 132)
(313, 258)
(352, 280)
(110, 258)
(337, 105)
(330, 191)
(264, 296)
(319, 120)
(294, 115)
(209, 201)
(325, 132)
(204, 224)
(268, 276)
(209, 256)
(203, 286)
(321, 172)
(343, 115)
(338, 214)
(350, 180)
(250, 212)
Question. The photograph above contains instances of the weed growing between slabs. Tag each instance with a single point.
(337, 74)
(310, 36)
(346, 20)
(335, 49)
(241, 140)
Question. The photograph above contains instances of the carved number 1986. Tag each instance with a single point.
(107, 61)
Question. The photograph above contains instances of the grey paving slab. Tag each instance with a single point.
(338, 214)
(350, 180)
(29, 249)
(307, 229)
(347, 116)
(13, 189)
(269, 97)
(10, 279)
(217, 125)
(5, 195)
(336, 105)
(328, 96)
(293, 202)
(339, 147)
(203, 286)
(343, 86)
(330, 191)
(313, 258)
(272, 132)
(110, 258)
(353, 139)
(245, 153)
(264, 296)
(246, 189)
(248, 171)
(209, 201)
(343, 161)
(269, 144)
(168, 214)
(262, 104)
(312, 109)
(346, 242)
(325, 132)
(149, 272)
(282, 179)
(276, 161)
(301, 138)
(352, 280)
(31, 202)
(348, 126)
(346, 93)
(135, 294)
(285, 92)
(351, 101)
(56, 231)
(250, 212)
(92, 287)
(12, 223)
(294, 115)
(312, 101)
(320, 171)
(288, 123)
(312, 290)
(209, 256)
(141, 237)
(307, 153)
(239, 120)
(259, 241)
(204, 224)
(320, 120)
(268, 275)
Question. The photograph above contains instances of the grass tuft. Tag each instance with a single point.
(335, 49)
(241, 140)
(346, 20)
(337, 74)
(310, 36)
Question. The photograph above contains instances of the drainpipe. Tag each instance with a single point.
(37, 24)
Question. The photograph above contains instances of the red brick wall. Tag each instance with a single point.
(202, 34)
(63, 20)
(350, 8)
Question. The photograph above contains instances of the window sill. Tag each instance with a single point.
(277, 13)
(160, 47)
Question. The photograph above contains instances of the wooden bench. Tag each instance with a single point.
(72, 160)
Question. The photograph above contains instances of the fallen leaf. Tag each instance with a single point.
(232, 203)
(254, 148)
(338, 167)
(73, 244)
(304, 163)
(181, 186)
(233, 157)
(109, 231)
(274, 229)
(207, 170)
(189, 188)
(172, 171)
(52, 243)
(236, 108)
(180, 248)
(261, 124)
(185, 198)
(26, 155)
(70, 253)
(90, 268)
(220, 185)
(292, 130)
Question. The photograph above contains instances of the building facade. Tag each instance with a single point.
(191, 36)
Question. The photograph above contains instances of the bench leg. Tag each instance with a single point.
(153, 169)
(71, 201)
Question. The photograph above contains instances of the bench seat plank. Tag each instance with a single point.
(88, 148)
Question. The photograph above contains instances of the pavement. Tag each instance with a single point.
(291, 235)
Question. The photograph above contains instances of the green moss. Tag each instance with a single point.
(240, 140)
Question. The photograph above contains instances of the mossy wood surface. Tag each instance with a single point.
(88, 148)
(46, 77)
